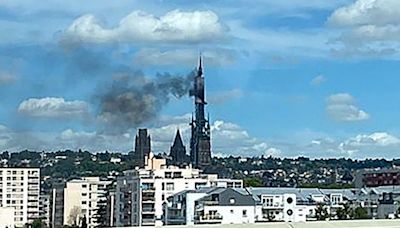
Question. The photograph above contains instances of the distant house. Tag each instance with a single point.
(115, 160)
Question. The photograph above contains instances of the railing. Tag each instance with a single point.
(148, 221)
(148, 189)
(210, 203)
(148, 210)
(217, 218)
(278, 205)
(148, 199)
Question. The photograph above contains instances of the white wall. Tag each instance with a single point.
(6, 217)
(190, 209)
(233, 214)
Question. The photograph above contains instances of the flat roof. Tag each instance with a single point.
(377, 223)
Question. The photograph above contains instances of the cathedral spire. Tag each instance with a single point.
(178, 150)
(200, 68)
(178, 139)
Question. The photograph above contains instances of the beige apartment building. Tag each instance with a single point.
(81, 200)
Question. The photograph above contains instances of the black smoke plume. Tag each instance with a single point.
(133, 100)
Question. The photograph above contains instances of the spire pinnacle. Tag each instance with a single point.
(200, 69)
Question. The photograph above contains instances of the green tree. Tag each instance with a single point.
(37, 223)
(345, 212)
(321, 212)
(360, 213)
(252, 182)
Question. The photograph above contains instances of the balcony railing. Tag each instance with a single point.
(277, 205)
(148, 221)
(217, 218)
(210, 203)
(148, 199)
(149, 210)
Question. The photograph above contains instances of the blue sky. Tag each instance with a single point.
(292, 78)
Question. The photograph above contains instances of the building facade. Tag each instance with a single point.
(375, 178)
(57, 204)
(82, 199)
(44, 209)
(19, 189)
(141, 193)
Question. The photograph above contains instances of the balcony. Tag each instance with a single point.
(149, 189)
(148, 221)
(210, 203)
(148, 198)
(175, 220)
(209, 219)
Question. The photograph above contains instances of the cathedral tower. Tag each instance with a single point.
(200, 146)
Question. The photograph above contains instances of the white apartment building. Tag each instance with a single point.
(141, 193)
(82, 198)
(19, 189)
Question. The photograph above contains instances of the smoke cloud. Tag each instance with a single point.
(132, 100)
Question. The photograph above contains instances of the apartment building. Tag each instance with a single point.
(82, 199)
(141, 193)
(19, 189)
(44, 209)
(377, 177)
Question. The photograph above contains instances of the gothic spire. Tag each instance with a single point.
(178, 140)
(200, 68)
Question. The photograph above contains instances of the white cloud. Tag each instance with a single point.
(151, 57)
(227, 138)
(378, 144)
(317, 81)
(342, 107)
(364, 12)
(369, 27)
(6, 78)
(138, 26)
(53, 107)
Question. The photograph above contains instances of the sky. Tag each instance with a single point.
(288, 78)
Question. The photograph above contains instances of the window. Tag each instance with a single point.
(170, 187)
(244, 213)
(232, 200)
(177, 174)
(268, 201)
